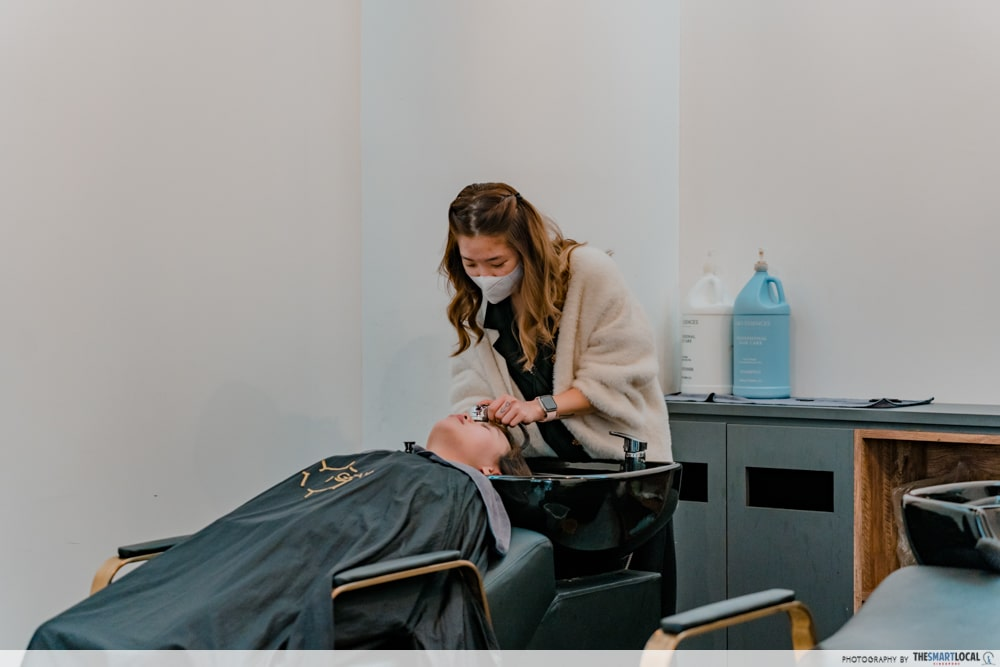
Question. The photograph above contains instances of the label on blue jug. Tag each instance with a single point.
(760, 356)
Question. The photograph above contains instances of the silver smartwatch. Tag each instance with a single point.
(549, 406)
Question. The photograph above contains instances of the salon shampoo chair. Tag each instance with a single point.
(917, 607)
(525, 603)
(590, 564)
(547, 592)
(948, 601)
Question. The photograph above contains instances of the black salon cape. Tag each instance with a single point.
(260, 577)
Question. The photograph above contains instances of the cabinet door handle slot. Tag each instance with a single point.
(694, 484)
(789, 489)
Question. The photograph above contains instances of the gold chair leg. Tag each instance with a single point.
(803, 628)
(659, 650)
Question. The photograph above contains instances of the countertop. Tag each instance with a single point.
(954, 415)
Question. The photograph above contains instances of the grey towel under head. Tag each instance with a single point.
(499, 521)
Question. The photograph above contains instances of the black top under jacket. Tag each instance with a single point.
(534, 382)
(261, 576)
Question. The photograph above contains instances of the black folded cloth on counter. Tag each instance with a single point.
(811, 402)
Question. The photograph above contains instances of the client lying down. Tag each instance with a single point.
(260, 577)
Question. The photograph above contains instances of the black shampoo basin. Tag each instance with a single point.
(954, 524)
(595, 513)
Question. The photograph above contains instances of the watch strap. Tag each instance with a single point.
(549, 407)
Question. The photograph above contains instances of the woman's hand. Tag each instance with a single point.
(510, 411)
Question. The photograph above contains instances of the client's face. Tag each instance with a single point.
(476, 444)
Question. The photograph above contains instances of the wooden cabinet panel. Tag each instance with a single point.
(889, 462)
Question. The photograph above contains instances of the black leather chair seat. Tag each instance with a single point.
(607, 611)
(531, 609)
(925, 607)
(519, 587)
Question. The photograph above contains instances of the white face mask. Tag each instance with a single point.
(497, 288)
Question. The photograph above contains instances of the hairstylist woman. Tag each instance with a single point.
(548, 333)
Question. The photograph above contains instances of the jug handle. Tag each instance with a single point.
(766, 287)
(717, 291)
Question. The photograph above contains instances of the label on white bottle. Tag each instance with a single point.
(706, 353)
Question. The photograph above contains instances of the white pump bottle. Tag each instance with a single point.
(707, 336)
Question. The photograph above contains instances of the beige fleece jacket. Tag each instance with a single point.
(605, 348)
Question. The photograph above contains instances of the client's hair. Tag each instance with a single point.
(513, 463)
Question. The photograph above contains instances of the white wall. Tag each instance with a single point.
(181, 256)
(179, 262)
(572, 102)
(857, 143)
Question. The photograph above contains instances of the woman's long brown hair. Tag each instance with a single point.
(497, 209)
(513, 462)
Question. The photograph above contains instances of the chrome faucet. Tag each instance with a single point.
(635, 451)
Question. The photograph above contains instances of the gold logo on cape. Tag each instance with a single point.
(340, 477)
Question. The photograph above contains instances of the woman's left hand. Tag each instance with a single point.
(510, 411)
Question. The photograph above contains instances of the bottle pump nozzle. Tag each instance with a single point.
(709, 266)
(760, 265)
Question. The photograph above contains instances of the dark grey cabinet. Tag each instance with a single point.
(790, 524)
(768, 500)
(764, 506)
(700, 520)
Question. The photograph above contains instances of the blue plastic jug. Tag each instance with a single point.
(761, 337)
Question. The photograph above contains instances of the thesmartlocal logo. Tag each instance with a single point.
(955, 657)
